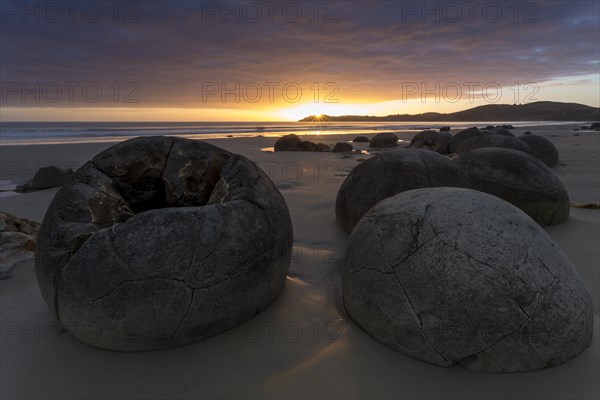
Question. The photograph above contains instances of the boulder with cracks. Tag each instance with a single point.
(456, 276)
(160, 242)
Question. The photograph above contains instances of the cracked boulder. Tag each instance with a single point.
(160, 242)
(520, 179)
(456, 276)
(390, 173)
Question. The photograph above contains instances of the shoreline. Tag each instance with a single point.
(310, 128)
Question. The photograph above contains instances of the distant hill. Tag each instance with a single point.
(539, 111)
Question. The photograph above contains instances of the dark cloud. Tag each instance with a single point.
(369, 49)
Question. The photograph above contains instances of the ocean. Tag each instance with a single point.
(26, 133)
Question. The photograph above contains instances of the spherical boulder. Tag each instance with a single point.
(460, 137)
(308, 146)
(384, 140)
(456, 276)
(342, 147)
(520, 179)
(493, 140)
(361, 139)
(288, 143)
(322, 147)
(390, 173)
(541, 148)
(432, 140)
(498, 130)
(160, 242)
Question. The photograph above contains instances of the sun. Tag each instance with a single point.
(319, 111)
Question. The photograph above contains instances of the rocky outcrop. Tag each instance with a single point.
(18, 241)
(45, 178)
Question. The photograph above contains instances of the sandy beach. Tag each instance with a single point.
(302, 345)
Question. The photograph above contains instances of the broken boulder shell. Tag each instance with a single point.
(456, 276)
(160, 242)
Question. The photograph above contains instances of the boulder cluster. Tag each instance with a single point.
(444, 142)
(447, 260)
(294, 143)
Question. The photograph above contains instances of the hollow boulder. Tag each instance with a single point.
(160, 242)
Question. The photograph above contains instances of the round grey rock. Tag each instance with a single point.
(498, 131)
(432, 140)
(342, 147)
(493, 140)
(390, 173)
(160, 242)
(288, 143)
(520, 179)
(308, 146)
(460, 137)
(456, 276)
(541, 148)
(384, 140)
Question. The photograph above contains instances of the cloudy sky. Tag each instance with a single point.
(282, 60)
